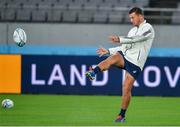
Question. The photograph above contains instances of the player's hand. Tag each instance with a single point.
(114, 39)
(102, 51)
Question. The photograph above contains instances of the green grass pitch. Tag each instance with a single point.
(83, 110)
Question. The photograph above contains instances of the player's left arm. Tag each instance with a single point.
(147, 33)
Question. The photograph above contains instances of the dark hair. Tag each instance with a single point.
(137, 10)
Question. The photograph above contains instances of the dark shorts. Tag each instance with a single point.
(133, 69)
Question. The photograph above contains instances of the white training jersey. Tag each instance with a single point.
(137, 44)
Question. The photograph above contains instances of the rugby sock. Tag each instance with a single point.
(123, 112)
(96, 70)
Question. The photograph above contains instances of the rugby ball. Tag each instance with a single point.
(19, 37)
(7, 103)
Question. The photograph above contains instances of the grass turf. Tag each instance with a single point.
(66, 110)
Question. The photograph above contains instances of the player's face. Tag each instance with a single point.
(135, 19)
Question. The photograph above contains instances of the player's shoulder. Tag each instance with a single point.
(146, 24)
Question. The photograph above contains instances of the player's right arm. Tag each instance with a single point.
(102, 51)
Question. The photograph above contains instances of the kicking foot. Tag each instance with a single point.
(90, 74)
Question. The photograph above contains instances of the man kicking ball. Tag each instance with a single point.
(130, 55)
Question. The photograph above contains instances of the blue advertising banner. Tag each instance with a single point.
(66, 75)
